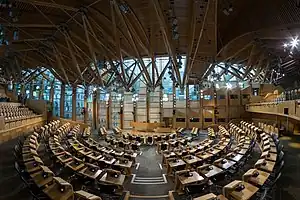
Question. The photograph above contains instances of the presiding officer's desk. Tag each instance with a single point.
(144, 126)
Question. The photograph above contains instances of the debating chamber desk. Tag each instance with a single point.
(150, 127)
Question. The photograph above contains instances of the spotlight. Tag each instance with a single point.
(294, 42)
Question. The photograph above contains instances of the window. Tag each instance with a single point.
(68, 102)
(207, 119)
(194, 119)
(207, 97)
(234, 96)
(221, 120)
(222, 96)
(180, 119)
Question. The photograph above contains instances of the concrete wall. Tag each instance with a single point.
(273, 113)
(25, 128)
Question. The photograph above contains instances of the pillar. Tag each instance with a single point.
(62, 100)
(95, 109)
(85, 105)
(187, 110)
(201, 108)
(108, 112)
(174, 106)
(227, 105)
(51, 98)
(74, 103)
(41, 92)
(147, 105)
(15, 90)
(31, 90)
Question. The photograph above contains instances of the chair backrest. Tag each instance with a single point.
(276, 179)
(163, 146)
(280, 167)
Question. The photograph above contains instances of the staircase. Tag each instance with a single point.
(149, 180)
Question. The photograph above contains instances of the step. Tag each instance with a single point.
(148, 180)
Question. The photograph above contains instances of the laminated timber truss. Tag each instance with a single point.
(88, 42)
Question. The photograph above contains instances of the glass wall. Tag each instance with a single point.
(79, 102)
(56, 99)
(68, 102)
(194, 92)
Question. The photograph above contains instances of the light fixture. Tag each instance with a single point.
(294, 42)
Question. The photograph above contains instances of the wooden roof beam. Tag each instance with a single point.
(47, 4)
(137, 53)
(167, 38)
(191, 63)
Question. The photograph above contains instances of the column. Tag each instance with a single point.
(41, 93)
(51, 98)
(187, 110)
(62, 100)
(95, 109)
(74, 103)
(86, 113)
(154, 105)
(174, 107)
(128, 110)
(141, 104)
(15, 90)
(108, 112)
(31, 90)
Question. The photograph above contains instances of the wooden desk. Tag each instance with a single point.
(246, 193)
(204, 155)
(268, 167)
(214, 151)
(41, 179)
(81, 194)
(75, 165)
(113, 180)
(108, 161)
(272, 157)
(190, 159)
(236, 157)
(172, 165)
(162, 130)
(194, 178)
(54, 191)
(211, 196)
(144, 126)
(273, 150)
(127, 166)
(65, 158)
(210, 171)
(32, 166)
(85, 151)
(258, 180)
(225, 165)
(59, 151)
(95, 156)
(91, 171)
(243, 151)
(27, 157)
(26, 150)
(118, 153)
(167, 155)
